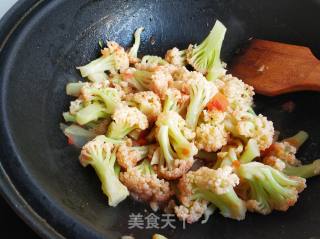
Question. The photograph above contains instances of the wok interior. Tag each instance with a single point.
(60, 35)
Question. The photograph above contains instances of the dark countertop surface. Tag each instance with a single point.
(11, 225)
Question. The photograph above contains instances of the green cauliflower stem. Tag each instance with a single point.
(128, 156)
(229, 154)
(304, 171)
(100, 153)
(74, 88)
(281, 155)
(68, 117)
(114, 59)
(110, 97)
(98, 77)
(298, 139)
(90, 113)
(205, 57)
(137, 39)
(174, 122)
(153, 60)
(101, 64)
(217, 187)
(125, 120)
(269, 188)
(251, 151)
(201, 92)
(171, 166)
(140, 80)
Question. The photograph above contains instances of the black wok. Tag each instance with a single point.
(43, 41)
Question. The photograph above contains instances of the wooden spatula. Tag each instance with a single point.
(274, 68)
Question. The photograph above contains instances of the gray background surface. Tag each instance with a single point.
(5, 5)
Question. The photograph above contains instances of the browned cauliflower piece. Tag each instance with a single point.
(211, 135)
(113, 59)
(128, 156)
(176, 57)
(182, 79)
(160, 82)
(144, 185)
(281, 151)
(239, 94)
(125, 120)
(198, 188)
(100, 154)
(147, 102)
(192, 213)
(176, 151)
(247, 125)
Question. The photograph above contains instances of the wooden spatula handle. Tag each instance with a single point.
(274, 68)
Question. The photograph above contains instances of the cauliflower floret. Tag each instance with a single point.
(75, 106)
(270, 189)
(211, 137)
(144, 185)
(176, 101)
(118, 81)
(128, 156)
(176, 57)
(121, 59)
(100, 154)
(179, 167)
(208, 185)
(219, 180)
(160, 82)
(247, 125)
(132, 116)
(182, 78)
(274, 162)
(281, 151)
(213, 116)
(239, 94)
(148, 103)
(152, 63)
(126, 119)
(193, 213)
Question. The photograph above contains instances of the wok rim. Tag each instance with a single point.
(9, 23)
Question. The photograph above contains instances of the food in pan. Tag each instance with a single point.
(181, 134)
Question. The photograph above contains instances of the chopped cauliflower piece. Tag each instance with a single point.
(214, 186)
(126, 119)
(246, 125)
(128, 156)
(147, 102)
(283, 151)
(75, 106)
(160, 82)
(239, 94)
(176, 57)
(210, 137)
(192, 213)
(144, 185)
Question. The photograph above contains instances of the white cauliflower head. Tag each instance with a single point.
(148, 103)
(131, 115)
(239, 94)
(176, 57)
(160, 82)
(211, 137)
